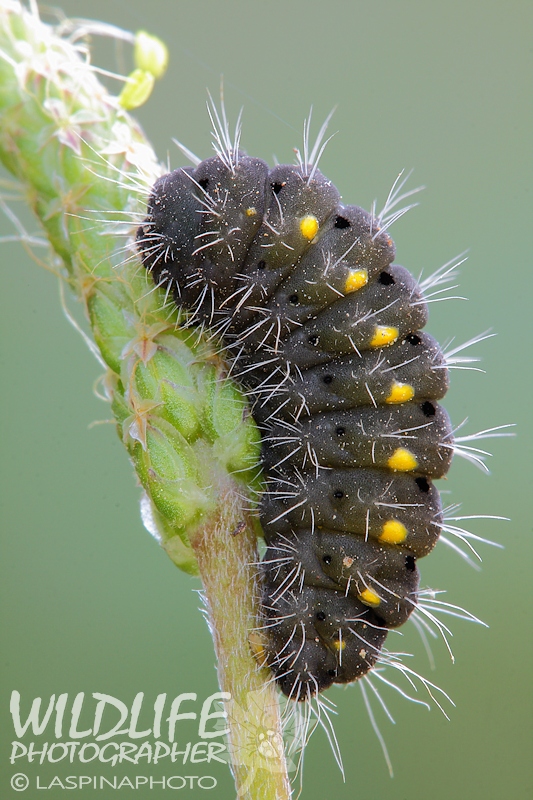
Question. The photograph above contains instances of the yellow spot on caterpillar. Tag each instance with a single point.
(357, 278)
(393, 532)
(402, 460)
(339, 644)
(256, 643)
(347, 561)
(400, 393)
(251, 212)
(309, 227)
(369, 598)
(383, 335)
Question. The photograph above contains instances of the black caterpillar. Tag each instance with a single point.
(325, 334)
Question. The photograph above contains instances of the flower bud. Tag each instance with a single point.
(137, 89)
(168, 470)
(150, 54)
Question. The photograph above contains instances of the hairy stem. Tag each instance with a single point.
(85, 169)
(227, 571)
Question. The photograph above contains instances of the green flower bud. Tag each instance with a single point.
(150, 54)
(167, 468)
(137, 89)
(109, 328)
(228, 423)
(161, 380)
(175, 546)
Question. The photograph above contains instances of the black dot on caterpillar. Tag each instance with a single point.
(325, 334)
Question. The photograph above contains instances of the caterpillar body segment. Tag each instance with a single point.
(348, 563)
(370, 437)
(374, 504)
(413, 369)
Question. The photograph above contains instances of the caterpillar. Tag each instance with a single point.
(325, 333)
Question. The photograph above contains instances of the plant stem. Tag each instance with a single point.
(86, 168)
(226, 565)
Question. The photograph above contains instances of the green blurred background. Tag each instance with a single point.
(89, 602)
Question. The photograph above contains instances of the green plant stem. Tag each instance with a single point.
(82, 163)
(253, 713)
